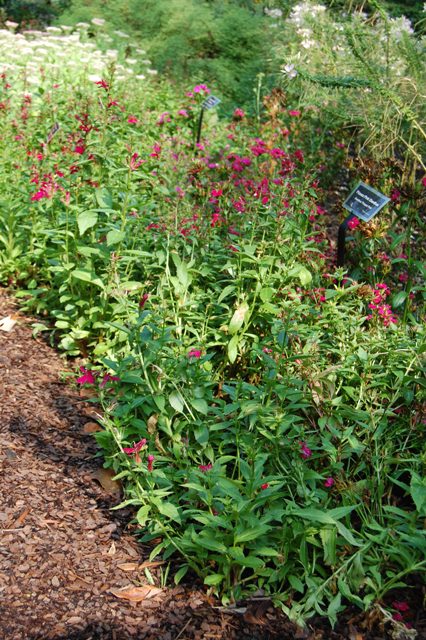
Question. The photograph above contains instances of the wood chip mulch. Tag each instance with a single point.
(63, 551)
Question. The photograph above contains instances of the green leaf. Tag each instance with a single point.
(251, 533)
(114, 237)
(214, 579)
(160, 402)
(170, 510)
(301, 272)
(87, 276)
(328, 537)
(233, 349)
(176, 400)
(296, 583)
(209, 542)
(266, 294)
(334, 608)
(227, 290)
(86, 220)
(238, 318)
(181, 573)
(201, 434)
(200, 405)
(104, 198)
(398, 299)
(418, 493)
(142, 514)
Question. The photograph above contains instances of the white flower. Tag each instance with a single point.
(140, 77)
(152, 72)
(11, 25)
(399, 26)
(83, 25)
(98, 22)
(307, 44)
(289, 71)
(131, 61)
(273, 13)
(121, 34)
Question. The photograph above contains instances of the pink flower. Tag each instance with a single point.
(137, 446)
(424, 181)
(395, 195)
(108, 378)
(143, 300)
(156, 150)
(201, 88)
(79, 148)
(39, 195)
(403, 277)
(305, 452)
(401, 606)
(103, 84)
(194, 353)
(353, 223)
(183, 113)
(398, 617)
(294, 113)
(329, 482)
(205, 467)
(150, 460)
(134, 163)
(216, 219)
(264, 486)
(88, 376)
(132, 120)
(238, 114)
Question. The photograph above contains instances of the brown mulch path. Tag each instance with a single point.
(60, 543)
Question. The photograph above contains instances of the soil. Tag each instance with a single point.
(64, 551)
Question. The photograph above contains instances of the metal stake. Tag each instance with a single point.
(341, 239)
(200, 124)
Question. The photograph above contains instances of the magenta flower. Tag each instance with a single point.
(143, 300)
(294, 113)
(150, 460)
(103, 84)
(134, 162)
(108, 378)
(305, 452)
(138, 446)
(88, 376)
(205, 467)
(194, 353)
(201, 88)
(401, 606)
(238, 114)
(132, 120)
(424, 181)
(398, 617)
(352, 224)
(264, 486)
(329, 482)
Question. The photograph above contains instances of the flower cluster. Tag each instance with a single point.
(379, 305)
